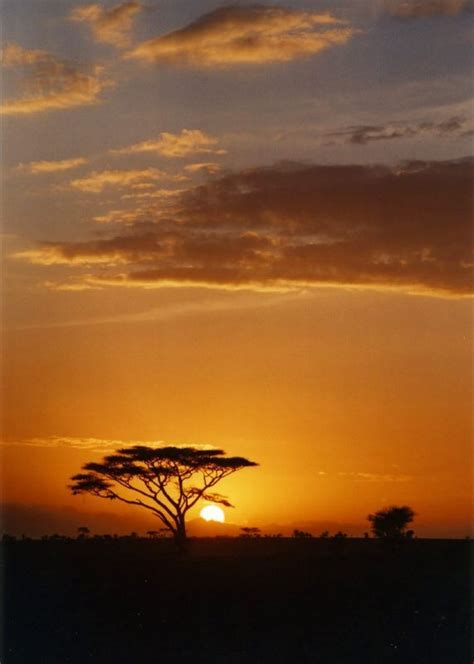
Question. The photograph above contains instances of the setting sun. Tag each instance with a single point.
(212, 513)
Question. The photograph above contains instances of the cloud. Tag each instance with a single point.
(209, 167)
(125, 217)
(295, 225)
(364, 134)
(75, 442)
(52, 84)
(14, 55)
(376, 477)
(51, 254)
(243, 302)
(189, 141)
(108, 26)
(148, 248)
(162, 195)
(99, 445)
(250, 35)
(143, 215)
(37, 167)
(96, 181)
(414, 9)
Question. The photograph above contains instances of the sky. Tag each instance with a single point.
(246, 226)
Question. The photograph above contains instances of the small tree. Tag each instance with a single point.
(339, 535)
(250, 532)
(83, 532)
(161, 480)
(301, 534)
(391, 522)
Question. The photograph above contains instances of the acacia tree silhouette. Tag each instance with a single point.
(391, 522)
(161, 480)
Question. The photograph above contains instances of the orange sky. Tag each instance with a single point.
(219, 251)
(348, 400)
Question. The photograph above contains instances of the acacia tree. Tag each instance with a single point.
(391, 522)
(167, 481)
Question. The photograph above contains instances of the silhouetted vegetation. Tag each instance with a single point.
(301, 534)
(339, 535)
(250, 532)
(392, 522)
(104, 598)
(161, 480)
(155, 534)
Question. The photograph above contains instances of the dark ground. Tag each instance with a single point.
(236, 601)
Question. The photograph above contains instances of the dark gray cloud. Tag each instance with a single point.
(407, 227)
(416, 9)
(364, 134)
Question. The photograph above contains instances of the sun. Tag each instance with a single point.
(212, 513)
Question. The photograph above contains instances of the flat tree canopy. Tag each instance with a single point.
(167, 481)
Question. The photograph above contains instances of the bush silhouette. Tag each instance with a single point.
(301, 534)
(391, 522)
(250, 532)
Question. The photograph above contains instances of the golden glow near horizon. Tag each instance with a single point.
(212, 513)
(203, 246)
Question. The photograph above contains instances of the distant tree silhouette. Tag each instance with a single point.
(339, 535)
(166, 481)
(250, 532)
(6, 537)
(83, 532)
(391, 522)
(301, 534)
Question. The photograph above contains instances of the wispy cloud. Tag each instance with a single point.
(153, 280)
(124, 217)
(99, 445)
(252, 35)
(238, 302)
(162, 195)
(364, 134)
(187, 142)
(52, 84)
(207, 167)
(376, 477)
(295, 225)
(51, 254)
(416, 9)
(96, 181)
(38, 167)
(112, 26)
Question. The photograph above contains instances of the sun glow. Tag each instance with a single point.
(212, 513)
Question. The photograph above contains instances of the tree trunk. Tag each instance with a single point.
(180, 538)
